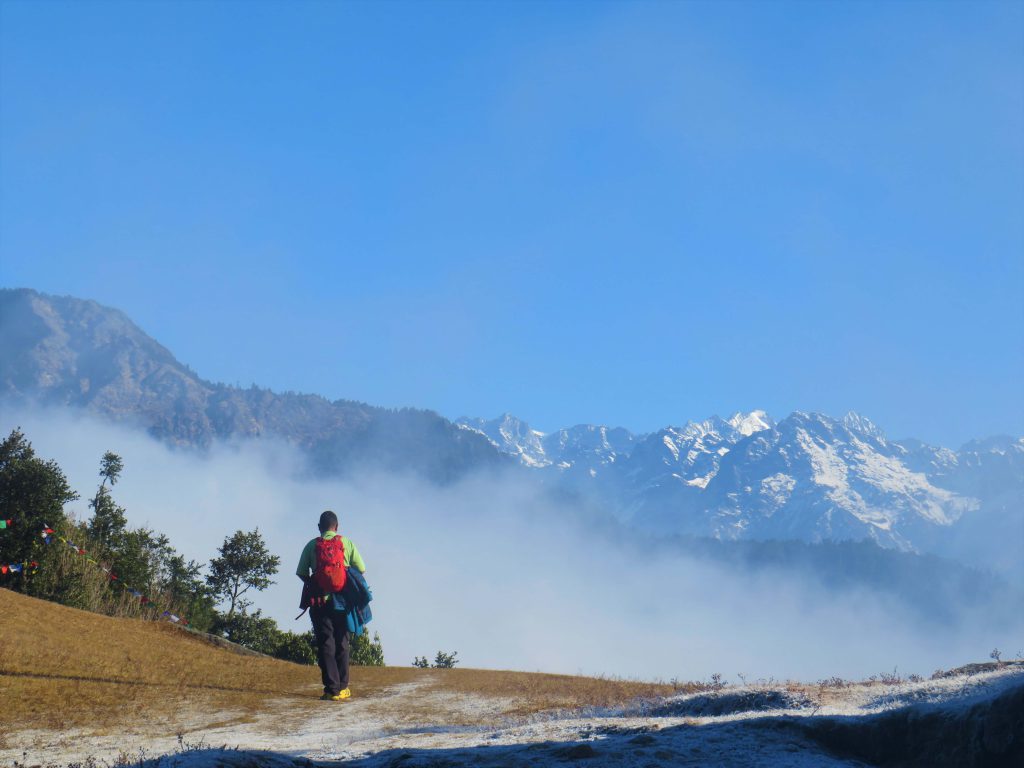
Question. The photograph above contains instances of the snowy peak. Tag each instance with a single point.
(512, 436)
(749, 423)
(857, 423)
(588, 446)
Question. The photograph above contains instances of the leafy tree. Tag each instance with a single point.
(187, 592)
(33, 493)
(245, 563)
(109, 521)
(138, 556)
(421, 662)
(366, 652)
(111, 467)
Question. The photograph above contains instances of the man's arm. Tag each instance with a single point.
(357, 559)
(305, 563)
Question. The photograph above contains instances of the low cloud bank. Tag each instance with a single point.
(493, 568)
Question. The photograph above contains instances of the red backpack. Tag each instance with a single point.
(329, 573)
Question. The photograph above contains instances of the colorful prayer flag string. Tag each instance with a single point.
(11, 568)
(6, 524)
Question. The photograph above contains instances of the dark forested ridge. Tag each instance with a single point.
(66, 351)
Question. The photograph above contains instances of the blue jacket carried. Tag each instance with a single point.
(354, 599)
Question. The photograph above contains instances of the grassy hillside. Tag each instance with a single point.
(61, 668)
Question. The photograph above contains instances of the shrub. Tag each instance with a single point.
(445, 660)
(252, 630)
(299, 648)
(367, 652)
(441, 661)
(833, 682)
(891, 678)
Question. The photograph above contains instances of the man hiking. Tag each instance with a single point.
(322, 568)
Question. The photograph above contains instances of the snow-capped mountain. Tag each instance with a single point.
(512, 436)
(584, 448)
(588, 448)
(690, 454)
(813, 477)
(809, 477)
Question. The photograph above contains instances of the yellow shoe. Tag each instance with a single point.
(346, 694)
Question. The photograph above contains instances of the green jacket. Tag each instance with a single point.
(307, 560)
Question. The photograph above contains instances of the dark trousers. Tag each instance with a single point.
(332, 646)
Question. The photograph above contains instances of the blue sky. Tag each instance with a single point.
(624, 213)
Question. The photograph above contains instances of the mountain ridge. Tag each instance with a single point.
(807, 477)
(65, 351)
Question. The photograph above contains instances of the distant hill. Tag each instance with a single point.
(71, 352)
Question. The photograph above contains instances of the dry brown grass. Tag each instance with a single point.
(532, 692)
(62, 668)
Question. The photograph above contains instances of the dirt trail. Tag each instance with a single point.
(286, 725)
(420, 724)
